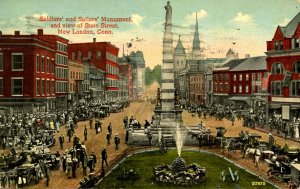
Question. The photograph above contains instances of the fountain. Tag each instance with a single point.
(178, 172)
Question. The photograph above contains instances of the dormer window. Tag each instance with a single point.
(278, 45)
(296, 42)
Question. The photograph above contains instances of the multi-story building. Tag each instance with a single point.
(33, 71)
(239, 80)
(208, 86)
(196, 82)
(125, 70)
(138, 72)
(100, 57)
(75, 91)
(283, 65)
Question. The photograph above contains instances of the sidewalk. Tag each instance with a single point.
(274, 133)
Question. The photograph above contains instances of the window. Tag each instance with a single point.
(276, 46)
(79, 55)
(296, 42)
(234, 88)
(52, 87)
(73, 56)
(296, 67)
(38, 87)
(1, 61)
(1, 86)
(247, 77)
(43, 87)
(276, 88)
(234, 77)
(259, 76)
(253, 77)
(16, 86)
(226, 87)
(226, 77)
(280, 45)
(48, 87)
(98, 55)
(89, 55)
(48, 66)
(17, 61)
(240, 77)
(277, 68)
(111, 57)
(247, 89)
(43, 64)
(240, 88)
(53, 66)
(295, 88)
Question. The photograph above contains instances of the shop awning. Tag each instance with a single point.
(241, 98)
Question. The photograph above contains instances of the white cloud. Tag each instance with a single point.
(285, 21)
(192, 17)
(136, 19)
(243, 18)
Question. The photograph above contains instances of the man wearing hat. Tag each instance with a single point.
(117, 141)
(85, 133)
(271, 141)
(104, 157)
(61, 141)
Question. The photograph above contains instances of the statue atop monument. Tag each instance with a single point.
(168, 13)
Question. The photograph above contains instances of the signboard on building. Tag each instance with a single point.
(286, 112)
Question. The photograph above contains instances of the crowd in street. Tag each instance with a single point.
(34, 134)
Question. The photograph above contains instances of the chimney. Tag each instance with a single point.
(40, 31)
(94, 40)
(247, 55)
(17, 32)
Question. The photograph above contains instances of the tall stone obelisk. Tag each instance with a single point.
(167, 112)
(167, 88)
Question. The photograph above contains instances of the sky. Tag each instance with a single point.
(243, 25)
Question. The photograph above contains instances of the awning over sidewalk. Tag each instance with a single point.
(241, 98)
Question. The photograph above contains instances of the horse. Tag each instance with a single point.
(232, 145)
(255, 153)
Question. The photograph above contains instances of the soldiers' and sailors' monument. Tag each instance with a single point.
(167, 113)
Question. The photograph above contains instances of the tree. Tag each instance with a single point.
(157, 73)
(148, 76)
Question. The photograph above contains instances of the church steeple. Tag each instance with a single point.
(196, 52)
(179, 48)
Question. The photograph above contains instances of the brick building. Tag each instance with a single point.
(283, 65)
(125, 70)
(33, 71)
(75, 91)
(239, 81)
(102, 57)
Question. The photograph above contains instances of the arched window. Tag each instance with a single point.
(296, 67)
(277, 68)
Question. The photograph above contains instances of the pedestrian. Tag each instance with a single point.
(91, 163)
(64, 162)
(127, 136)
(147, 124)
(232, 120)
(85, 133)
(150, 138)
(96, 127)
(104, 157)
(117, 141)
(47, 174)
(74, 167)
(69, 134)
(91, 123)
(61, 141)
(75, 140)
(84, 164)
(108, 138)
(109, 129)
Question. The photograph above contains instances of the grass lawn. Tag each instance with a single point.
(143, 164)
